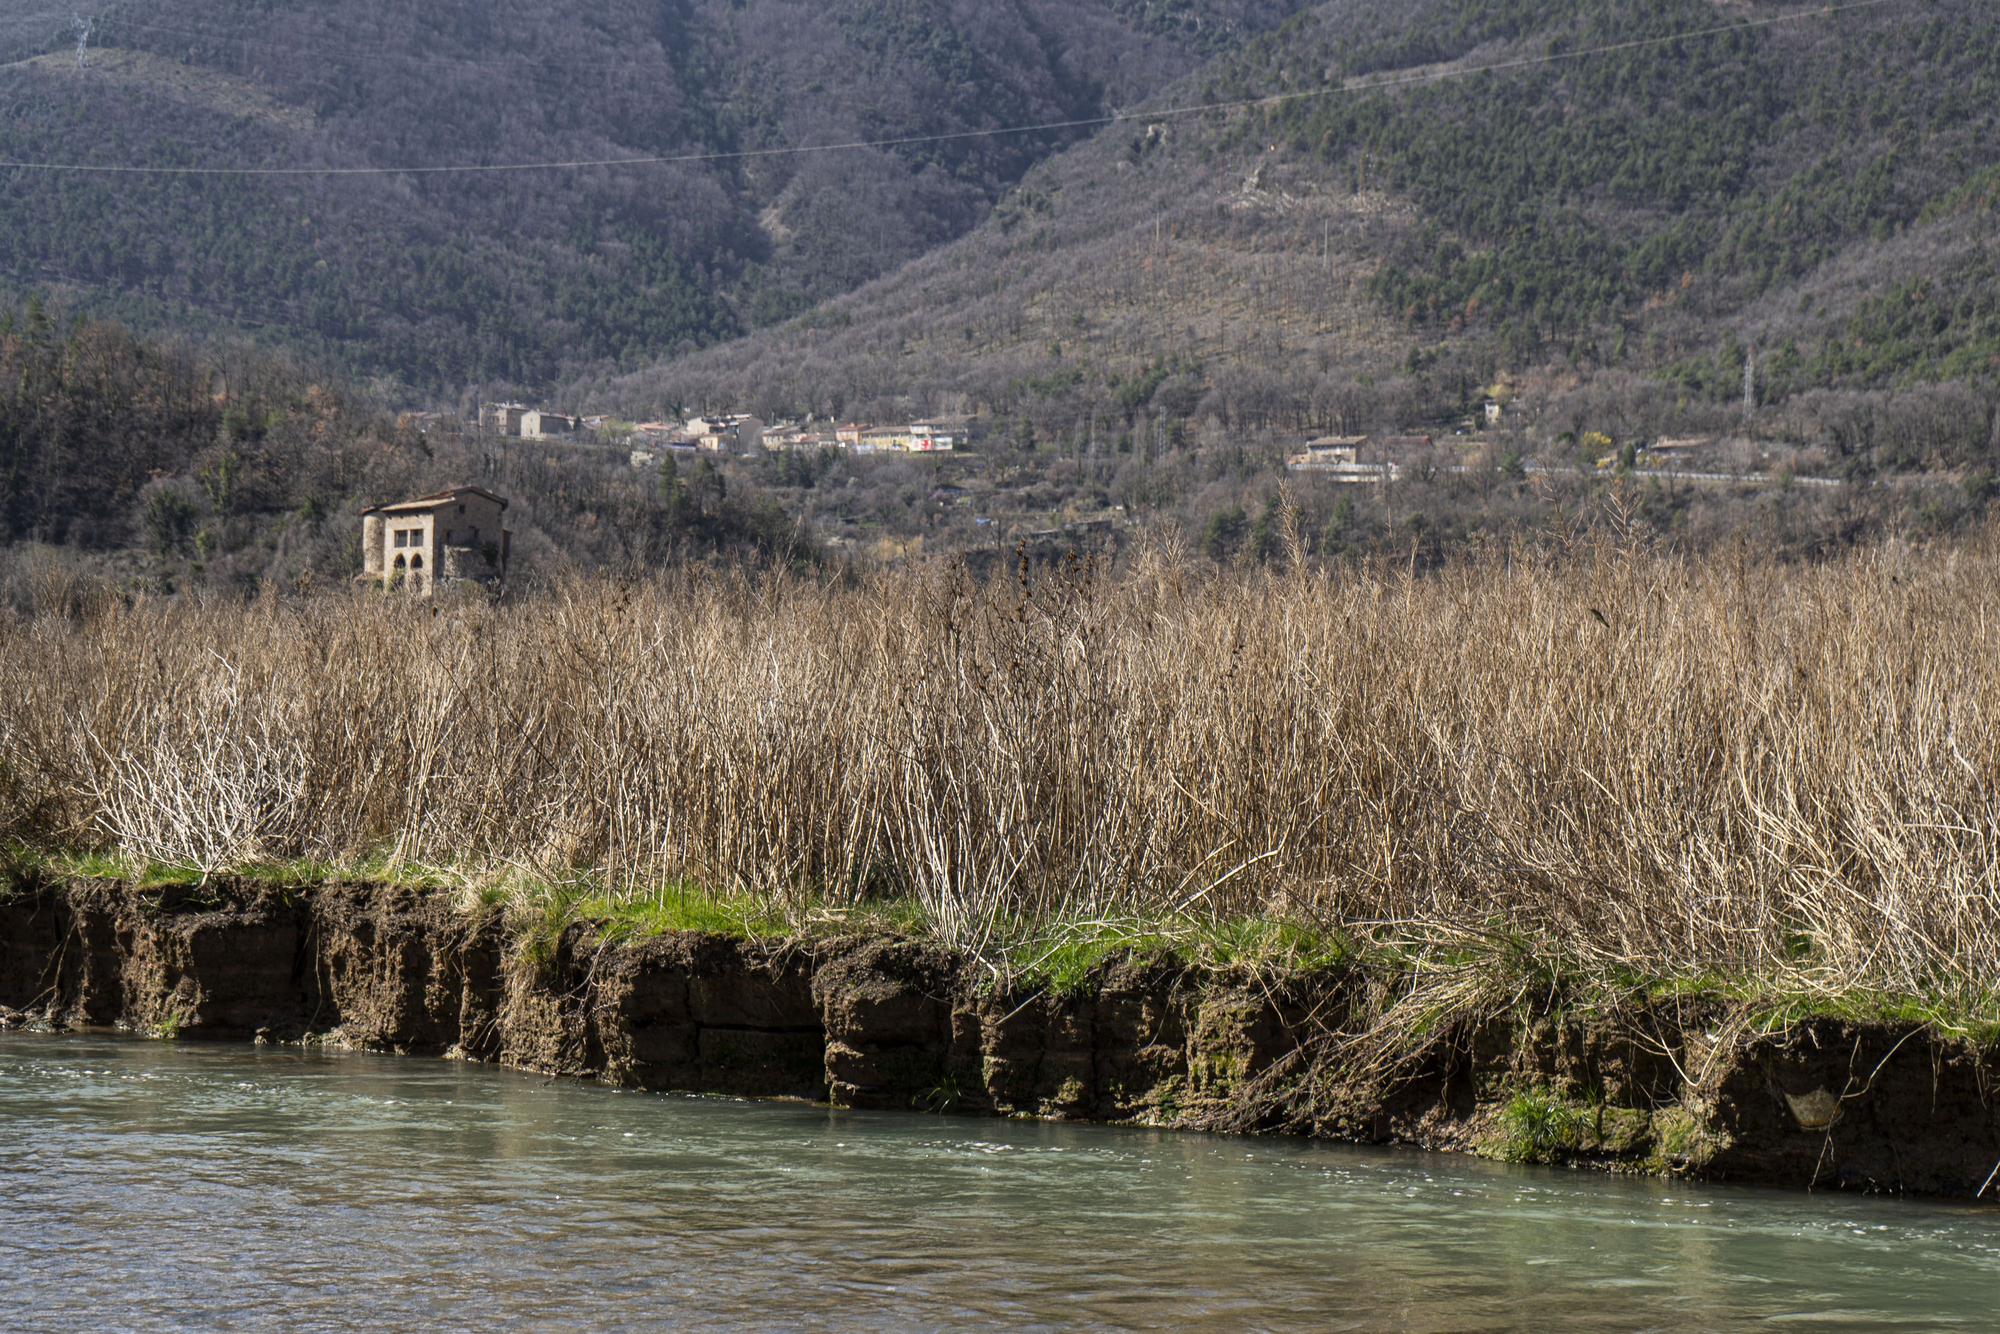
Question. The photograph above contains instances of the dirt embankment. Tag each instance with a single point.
(876, 1022)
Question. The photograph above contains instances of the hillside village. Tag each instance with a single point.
(732, 433)
(974, 485)
(1350, 459)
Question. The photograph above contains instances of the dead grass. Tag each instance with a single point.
(1635, 764)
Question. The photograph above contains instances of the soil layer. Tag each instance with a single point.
(883, 1022)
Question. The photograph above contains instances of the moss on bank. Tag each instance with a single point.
(1471, 1042)
(1428, 982)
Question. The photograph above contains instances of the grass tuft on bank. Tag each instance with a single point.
(1430, 981)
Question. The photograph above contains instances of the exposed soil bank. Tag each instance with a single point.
(885, 1023)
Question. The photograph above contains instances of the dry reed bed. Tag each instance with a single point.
(1621, 759)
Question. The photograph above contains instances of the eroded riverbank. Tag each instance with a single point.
(1680, 1087)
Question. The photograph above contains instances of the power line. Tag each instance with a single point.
(1349, 87)
(358, 55)
(24, 20)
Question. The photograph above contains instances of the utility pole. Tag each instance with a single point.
(1749, 384)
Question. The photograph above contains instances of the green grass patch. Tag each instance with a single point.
(287, 875)
(673, 908)
(383, 868)
(1445, 974)
(90, 866)
(1063, 957)
(540, 911)
(888, 917)
(1537, 1126)
(1264, 942)
(170, 875)
(1973, 1016)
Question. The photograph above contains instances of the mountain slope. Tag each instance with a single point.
(522, 277)
(1630, 201)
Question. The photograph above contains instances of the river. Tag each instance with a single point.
(148, 1185)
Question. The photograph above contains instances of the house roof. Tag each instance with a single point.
(437, 501)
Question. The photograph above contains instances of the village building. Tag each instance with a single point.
(727, 434)
(660, 435)
(797, 438)
(1330, 450)
(931, 438)
(503, 418)
(457, 536)
(652, 441)
(516, 421)
(548, 425)
(1339, 458)
(647, 453)
(882, 440)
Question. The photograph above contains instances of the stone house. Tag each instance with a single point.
(883, 440)
(1339, 457)
(519, 422)
(727, 435)
(457, 536)
(503, 418)
(538, 425)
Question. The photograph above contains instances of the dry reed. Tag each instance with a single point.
(1626, 760)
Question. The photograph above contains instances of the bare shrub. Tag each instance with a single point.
(1630, 760)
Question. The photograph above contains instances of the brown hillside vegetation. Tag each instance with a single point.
(1104, 274)
(529, 278)
(1615, 760)
(1381, 209)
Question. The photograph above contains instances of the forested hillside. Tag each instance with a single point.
(1618, 204)
(439, 281)
(1766, 227)
(174, 466)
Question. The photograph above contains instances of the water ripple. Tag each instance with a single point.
(150, 1186)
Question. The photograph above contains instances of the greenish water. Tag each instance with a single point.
(147, 1185)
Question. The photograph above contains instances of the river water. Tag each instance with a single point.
(159, 1186)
